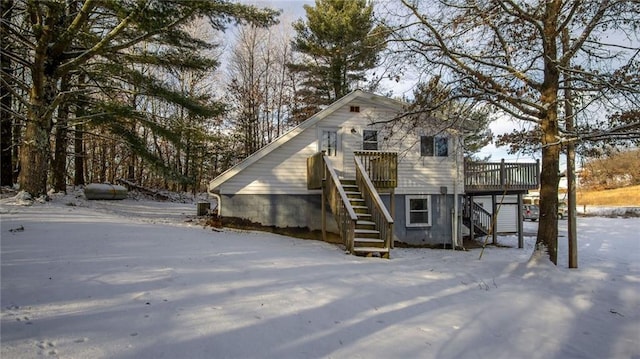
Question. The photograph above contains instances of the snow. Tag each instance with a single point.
(142, 279)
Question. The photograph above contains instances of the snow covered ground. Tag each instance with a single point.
(132, 279)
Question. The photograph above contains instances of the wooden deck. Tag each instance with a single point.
(487, 177)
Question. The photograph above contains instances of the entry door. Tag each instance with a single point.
(329, 141)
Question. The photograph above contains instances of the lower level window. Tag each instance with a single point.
(418, 211)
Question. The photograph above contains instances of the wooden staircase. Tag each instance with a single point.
(364, 223)
(367, 240)
(477, 219)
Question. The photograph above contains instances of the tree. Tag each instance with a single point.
(259, 86)
(508, 54)
(99, 39)
(6, 125)
(615, 170)
(340, 42)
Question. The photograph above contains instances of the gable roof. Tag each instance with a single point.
(287, 136)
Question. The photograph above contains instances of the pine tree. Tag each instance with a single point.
(339, 43)
(103, 40)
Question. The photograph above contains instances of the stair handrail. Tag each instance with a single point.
(379, 213)
(340, 205)
(479, 216)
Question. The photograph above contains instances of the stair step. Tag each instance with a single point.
(366, 231)
(368, 242)
(360, 209)
(353, 194)
(365, 225)
(370, 249)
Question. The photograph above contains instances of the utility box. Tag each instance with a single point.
(203, 208)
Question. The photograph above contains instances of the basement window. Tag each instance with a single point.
(418, 211)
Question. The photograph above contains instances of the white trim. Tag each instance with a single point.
(407, 211)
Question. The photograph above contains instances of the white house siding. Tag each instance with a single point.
(273, 189)
(508, 213)
(284, 169)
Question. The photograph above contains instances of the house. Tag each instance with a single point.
(346, 171)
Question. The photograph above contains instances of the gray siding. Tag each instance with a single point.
(439, 233)
(304, 211)
(278, 210)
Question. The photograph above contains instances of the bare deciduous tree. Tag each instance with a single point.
(509, 54)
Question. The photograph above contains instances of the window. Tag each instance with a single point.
(434, 146)
(418, 211)
(442, 146)
(329, 142)
(354, 109)
(370, 140)
(426, 146)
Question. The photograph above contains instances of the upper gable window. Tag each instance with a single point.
(434, 146)
(354, 109)
(370, 140)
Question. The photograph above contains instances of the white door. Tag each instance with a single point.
(329, 141)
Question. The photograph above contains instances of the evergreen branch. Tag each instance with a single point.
(102, 44)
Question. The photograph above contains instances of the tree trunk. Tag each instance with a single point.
(79, 155)
(34, 157)
(35, 151)
(549, 175)
(548, 226)
(6, 120)
(59, 163)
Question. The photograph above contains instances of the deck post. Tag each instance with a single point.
(323, 198)
(324, 214)
(392, 204)
(469, 205)
(494, 222)
(519, 223)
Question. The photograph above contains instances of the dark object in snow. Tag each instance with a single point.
(105, 191)
(17, 229)
(203, 208)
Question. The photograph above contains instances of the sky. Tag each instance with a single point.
(143, 279)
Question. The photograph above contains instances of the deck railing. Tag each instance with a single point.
(379, 213)
(315, 171)
(319, 169)
(478, 216)
(381, 167)
(498, 176)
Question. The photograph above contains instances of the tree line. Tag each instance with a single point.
(95, 90)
